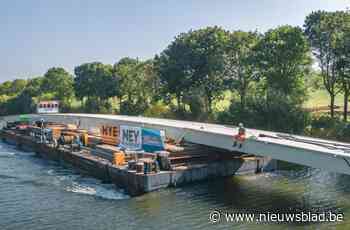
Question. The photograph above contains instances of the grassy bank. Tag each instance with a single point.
(318, 98)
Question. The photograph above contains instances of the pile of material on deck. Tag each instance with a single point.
(194, 154)
(105, 151)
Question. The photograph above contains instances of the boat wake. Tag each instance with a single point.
(7, 154)
(89, 186)
(76, 183)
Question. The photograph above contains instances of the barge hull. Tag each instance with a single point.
(139, 183)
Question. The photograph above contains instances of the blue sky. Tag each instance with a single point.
(39, 34)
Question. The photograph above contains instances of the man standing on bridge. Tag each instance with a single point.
(240, 137)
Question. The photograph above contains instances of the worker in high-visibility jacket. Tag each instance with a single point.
(239, 138)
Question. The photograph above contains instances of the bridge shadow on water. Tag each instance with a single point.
(297, 189)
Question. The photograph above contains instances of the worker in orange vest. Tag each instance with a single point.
(240, 137)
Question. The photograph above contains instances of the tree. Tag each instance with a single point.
(239, 69)
(195, 60)
(280, 61)
(342, 56)
(34, 87)
(152, 81)
(96, 82)
(175, 71)
(126, 69)
(283, 61)
(58, 82)
(208, 47)
(5, 88)
(23, 101)
(322, 29)
(12, 88)
(139, 84)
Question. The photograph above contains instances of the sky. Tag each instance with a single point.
(39, 34)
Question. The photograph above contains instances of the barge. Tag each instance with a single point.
(138, 172)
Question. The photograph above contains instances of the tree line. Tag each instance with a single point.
(266, 74)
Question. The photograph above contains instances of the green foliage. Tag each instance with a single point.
(139, 85)
(97, 82)
(194, 60)
(133, 107)
(3, 105)
(277, 115)
(12, 88)
(208, 47)
(157, 110)
(280, 61)
(34, 87)
(325, 31)
(20, 97)
(342, 53)
(175, 71)
(283, 61)
(314, 81)
(57, 84)
(240, 70)
(324, 122)
(5, 88)
(195, 99)
(91, 78)
(22, 104)
(330, 128)
(95, 105)
(344, 133)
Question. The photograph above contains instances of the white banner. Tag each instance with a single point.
(48, 107)
(130, 137)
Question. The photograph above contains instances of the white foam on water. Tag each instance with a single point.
(61, 180)
(270, 174)
(81, 189)
(95, 188)
(7, 153)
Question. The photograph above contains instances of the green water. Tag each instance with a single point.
(37, 194)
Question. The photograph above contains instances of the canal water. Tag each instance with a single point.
(38, 194)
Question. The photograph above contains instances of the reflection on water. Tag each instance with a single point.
(37, 194)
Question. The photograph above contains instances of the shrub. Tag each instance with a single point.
(277, 115)
(157, 110)
(324, 122)
(133, 108)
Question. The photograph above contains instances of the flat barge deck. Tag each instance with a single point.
(133, 182)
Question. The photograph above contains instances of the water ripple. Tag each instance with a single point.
(35, 194)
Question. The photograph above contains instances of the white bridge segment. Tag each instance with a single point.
(316, 153)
